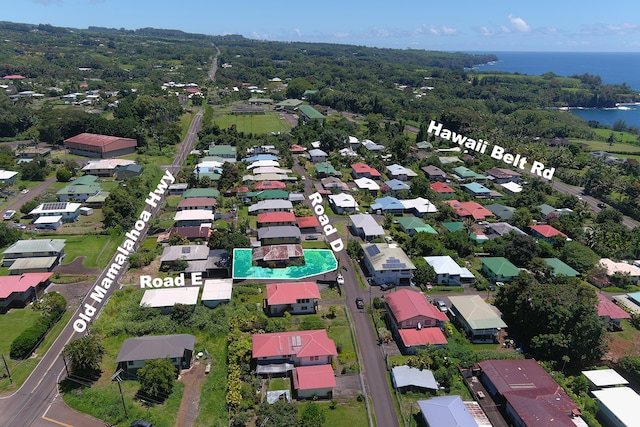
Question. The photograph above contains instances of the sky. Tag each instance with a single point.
(469, 26)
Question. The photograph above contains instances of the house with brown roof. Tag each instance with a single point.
(193, 203)
(295, 297)
(298, 348)
(434, 173)
(414, 322)
(276, 255)
(102, 146)
(502, 175)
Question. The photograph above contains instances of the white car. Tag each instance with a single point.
(9, 214)
(340, 280)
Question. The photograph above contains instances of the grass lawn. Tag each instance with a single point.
(13, 323)
(96, 248)
(279, 384)
(348, 413)
(257, 124)
(604, 146)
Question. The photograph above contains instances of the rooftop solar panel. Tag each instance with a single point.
(373, 250)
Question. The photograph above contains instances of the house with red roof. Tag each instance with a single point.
(13, 77)
(272, 219)
(269, 185)
(529, 395)
(18, 291)
(294, 297)
(414, 322)
(611, 312)
(308, 224)
(546, 232)
(310, 382)
(297, 149)
(362, 170)
(471, 210)
(298, 348)
(443, 190)
(102, 146)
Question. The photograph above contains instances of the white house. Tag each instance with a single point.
(68, 211)
(448, 272)
(216, 292)
(342, 203)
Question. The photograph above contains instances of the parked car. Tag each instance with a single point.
(8, 214)
(340, 279)
(311, 237)
(441, 305)
(387, 286)
(359, 303)
(25, 191)
(141, 423)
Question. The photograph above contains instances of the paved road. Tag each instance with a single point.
(37, 401)
(20, 199)
(214, 65)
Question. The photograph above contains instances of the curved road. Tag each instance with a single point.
(37, 403)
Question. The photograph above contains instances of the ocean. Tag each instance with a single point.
(613, 68)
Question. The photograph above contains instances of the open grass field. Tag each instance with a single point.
(96, 248)
(604, 146)
(12, 324)
(258, 124)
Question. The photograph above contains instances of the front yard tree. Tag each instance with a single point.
(84, 355)
(156, 378)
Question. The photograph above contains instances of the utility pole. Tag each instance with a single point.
(7, 368)
(116, 377)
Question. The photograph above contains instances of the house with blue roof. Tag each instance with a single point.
(477, 190)
(387, 205)
(258, 157)
(395, 185)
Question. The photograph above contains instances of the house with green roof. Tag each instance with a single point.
(224, 151)
(201, 192)
(464, 173)
(413, 225)
(86, 180)
(272, 195)
(288, 104)
(308, 114)
(560, 268)
(499, 269)
(324, 170)
(77, 192)
(453, 226)
(213, 176)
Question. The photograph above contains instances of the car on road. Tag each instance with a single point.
(359, 303)
(8, 214)
(441, 305)
(25, 191)
(387, 286)
(602, 205)
(340, 279)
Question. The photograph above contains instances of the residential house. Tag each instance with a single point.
(42, 264)
(279, 235)
(297, 149)
(463, 173)
(362, 170)
(501, 211)
(611, 312)
(324, 170)
(313, 382)
(171, 255)
(193, 217)
(443, 190)
(68, 212)
(471, 210)
(263, 159)
(201, 192)
(413, 321)
(446, 411)
(405, 378)
(103, 146)
(419, 206)
(387, 264)
(371, 146)
(270, 206)
(37, 248)
(192, 233)
(434, 173)
(477, 190)
(298, 348)
(616, 270)
(77, 192)
(19, 290)
(499, 269)
(295, 298)
(342, 203)
(272, 219)
(274, 256)
(366, 227)
(502, 175)
(354, 143)
(224, 151)
(195, 203)
(269, 170)
(272, 195)
(499, 229)
(481, 321)
(396, 186)
(165, 299)
(448, 272)
(316, 155)
(334, 185)
(178, 189)
(511, 188)
(617, 406)
(549, 212)
(128, 171)
(134, 352)
(308, 224)
(216, 292)
(560, 268)
(541, 402)
(8, 177)
(400, 173)
(604, 378)
(546, 232)
(424, 145)
(269, 185)
(454, 226)
(367, 184)
(387, 205)
(412, 225)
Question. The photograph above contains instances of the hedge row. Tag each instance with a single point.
(25, 343)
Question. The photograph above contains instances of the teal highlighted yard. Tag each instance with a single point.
(317, 261)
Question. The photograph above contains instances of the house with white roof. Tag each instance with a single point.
(8, 177)
(270, 206)
(367, 184)
(446, 411)
(365, 226)
(419, 206)
(193, 217)
(448, 272)
(105, 167)
(216, 292)
(401, 173)
(67, 212)
(617, 406)
(342, 203)
(616, 269)
(165, 299)
(263, 163)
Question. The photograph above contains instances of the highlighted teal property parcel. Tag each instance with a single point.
(317, 261)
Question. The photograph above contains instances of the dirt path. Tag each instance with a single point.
(189, 407)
